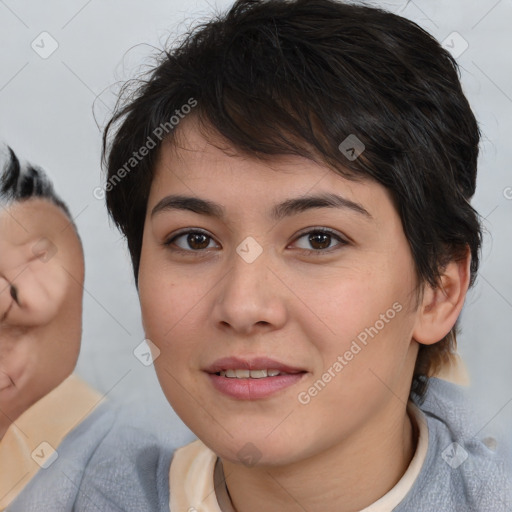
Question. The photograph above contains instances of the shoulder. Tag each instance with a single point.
(461, 471)
(129, 470)
(55, 485)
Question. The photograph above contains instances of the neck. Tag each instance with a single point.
(344, 478)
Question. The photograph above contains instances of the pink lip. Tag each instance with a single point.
(252, 389)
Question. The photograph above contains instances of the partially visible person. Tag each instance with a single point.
(51, 422)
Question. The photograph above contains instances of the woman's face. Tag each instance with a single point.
(245, 267)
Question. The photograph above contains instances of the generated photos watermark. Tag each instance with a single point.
(352, 147)
(146, 352)
(454, 455)
(44, 455)
(357, 345)
(157, 135)
(44, 45)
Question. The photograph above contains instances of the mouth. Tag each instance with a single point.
(238, 367)
(252, 379)
(250, 374)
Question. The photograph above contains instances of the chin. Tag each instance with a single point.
(252, 451)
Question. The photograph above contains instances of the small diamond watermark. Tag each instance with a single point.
(352, 147)
(146, 352)
(454, 455)
(44, 45)
(44, 249)
(44, 455)
(455, 44)
(249, 250)
(249, 455)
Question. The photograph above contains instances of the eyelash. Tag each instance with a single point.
(315, 252)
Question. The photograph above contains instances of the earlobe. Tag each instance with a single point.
(441, 306)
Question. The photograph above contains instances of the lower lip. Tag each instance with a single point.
(253, 389)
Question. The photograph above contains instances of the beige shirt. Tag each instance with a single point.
(31, 442)
(197, 484)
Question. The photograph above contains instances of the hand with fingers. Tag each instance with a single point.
(8, 294)
(32, 282)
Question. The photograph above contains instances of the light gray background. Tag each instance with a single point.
(46, 115)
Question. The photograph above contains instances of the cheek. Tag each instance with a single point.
(169, 313)
(344, 306)
(362, 318)
(164, 309)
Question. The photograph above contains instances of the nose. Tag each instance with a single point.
(250, 298)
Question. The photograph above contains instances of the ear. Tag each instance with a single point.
(441, 306)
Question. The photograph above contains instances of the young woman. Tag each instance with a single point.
(293, 182)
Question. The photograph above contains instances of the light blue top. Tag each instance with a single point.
(110, 466)
(460, 473)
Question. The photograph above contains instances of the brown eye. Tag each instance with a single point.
(318, 241)
(190, 241)
(197, 241)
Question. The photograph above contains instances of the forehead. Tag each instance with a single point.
(206, 165)
(195, 149)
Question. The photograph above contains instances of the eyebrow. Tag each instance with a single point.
(280, 211)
